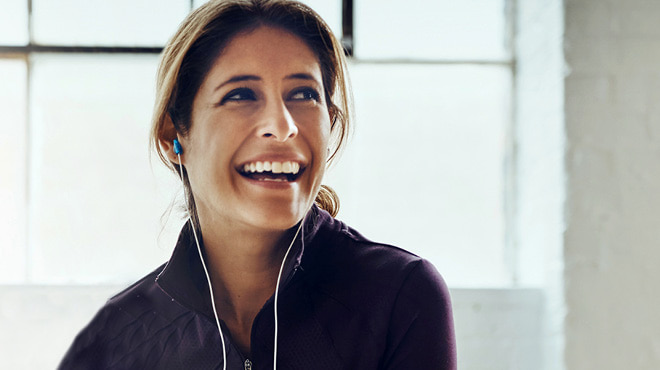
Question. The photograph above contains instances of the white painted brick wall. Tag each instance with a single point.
(498, 329)
(613, 208)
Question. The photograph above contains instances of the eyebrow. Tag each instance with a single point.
(301, 76)
(241, 78)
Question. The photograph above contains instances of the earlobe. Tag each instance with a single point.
(168, 148)
(166, 140)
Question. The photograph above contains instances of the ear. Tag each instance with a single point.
(166, 140)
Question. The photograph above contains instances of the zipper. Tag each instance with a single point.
(247, 365)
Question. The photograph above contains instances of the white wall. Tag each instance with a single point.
(587, 162)
(612, 240)
(499, 329)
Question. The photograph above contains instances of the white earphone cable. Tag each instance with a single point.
(206, 271)
(208, 279)
(277, 290)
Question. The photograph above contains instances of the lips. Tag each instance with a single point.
(273, 171)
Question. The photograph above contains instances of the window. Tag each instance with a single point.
(425, 169)
(13, 90)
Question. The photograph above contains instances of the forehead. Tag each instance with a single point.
(266, 50)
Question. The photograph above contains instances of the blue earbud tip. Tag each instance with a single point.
(177, 147)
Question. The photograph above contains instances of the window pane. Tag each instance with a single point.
(106, 23)
(424, 170)
(421, 29)
(13, 83)
(93, 194)
(13, 22)
(329, 10)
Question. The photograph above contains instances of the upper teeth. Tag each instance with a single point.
(274, 167)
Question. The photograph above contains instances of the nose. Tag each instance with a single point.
(277, 122)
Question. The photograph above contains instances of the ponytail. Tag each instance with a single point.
(328, 200)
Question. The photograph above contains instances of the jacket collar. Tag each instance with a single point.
(183, 277)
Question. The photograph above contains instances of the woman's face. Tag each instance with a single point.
(258, 143)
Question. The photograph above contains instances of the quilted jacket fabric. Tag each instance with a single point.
(346, 303)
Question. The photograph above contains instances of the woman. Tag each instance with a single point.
(251, 106)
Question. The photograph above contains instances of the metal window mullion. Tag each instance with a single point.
(347, 23)
(32, 48)
(504, 63)
(28, 149)
(510, 160)
(29, 252)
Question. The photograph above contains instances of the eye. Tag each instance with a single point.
(239, 94)
(304, 94)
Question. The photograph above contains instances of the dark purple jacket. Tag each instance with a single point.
(346, 303)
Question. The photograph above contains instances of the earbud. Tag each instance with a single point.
(177, 147)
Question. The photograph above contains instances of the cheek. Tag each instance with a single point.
(321, 142)
(321, 147)
(324, 128)
(205, 158)
(314, 126)
(217, 137)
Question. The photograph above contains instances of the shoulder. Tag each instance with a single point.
(129, 318)
(382, 292)
(353, 268)
(142, 303)
(338, 248)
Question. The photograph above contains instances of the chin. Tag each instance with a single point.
(277, 217)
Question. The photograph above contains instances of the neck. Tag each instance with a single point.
(244, 264)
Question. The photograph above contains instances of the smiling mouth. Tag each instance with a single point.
(272, 171)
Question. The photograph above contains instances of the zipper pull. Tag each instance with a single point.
(248, 364)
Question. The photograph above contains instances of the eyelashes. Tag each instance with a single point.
(305, 93)
(240, 94)
(243, 94)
